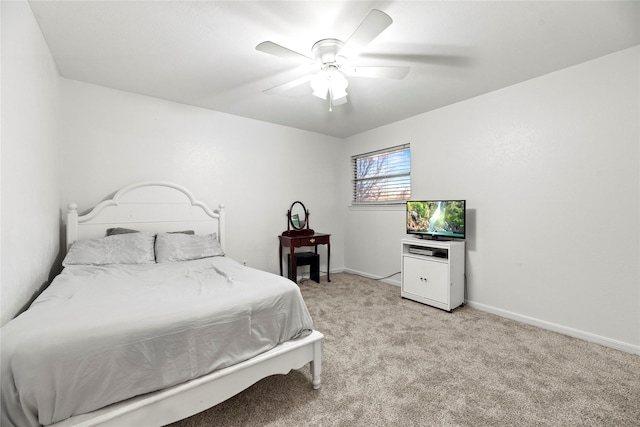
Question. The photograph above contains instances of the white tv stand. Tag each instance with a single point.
(433, 272)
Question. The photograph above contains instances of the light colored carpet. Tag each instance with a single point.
(394, 362)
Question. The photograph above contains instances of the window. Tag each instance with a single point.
(382, 176)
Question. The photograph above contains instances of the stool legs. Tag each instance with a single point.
(304, 258)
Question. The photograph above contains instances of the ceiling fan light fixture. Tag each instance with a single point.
(321, 93)
(338, 95)
(339, 101)
(320, 84)
(330, 81)
(338, 80)
(338, 88)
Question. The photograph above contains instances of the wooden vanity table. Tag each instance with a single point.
(299, 235)
(299, 240)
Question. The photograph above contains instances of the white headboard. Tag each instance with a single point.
(153, 206)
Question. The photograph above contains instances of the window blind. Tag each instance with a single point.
(382, 176)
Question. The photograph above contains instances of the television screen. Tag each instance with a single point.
(436, 218)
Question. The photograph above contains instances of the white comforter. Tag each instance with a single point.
(102, 334)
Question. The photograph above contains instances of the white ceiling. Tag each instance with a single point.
(203, 53)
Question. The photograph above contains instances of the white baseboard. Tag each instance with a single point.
(587, 336)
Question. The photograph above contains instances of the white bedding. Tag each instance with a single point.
(102, 334)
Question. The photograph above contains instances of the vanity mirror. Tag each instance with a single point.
(298, 220)
(298, 216)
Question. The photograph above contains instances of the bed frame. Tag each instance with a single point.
(163, 206)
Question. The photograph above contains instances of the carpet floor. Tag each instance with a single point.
(388, 361)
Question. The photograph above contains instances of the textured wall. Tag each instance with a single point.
(30, 159)
(549, 168)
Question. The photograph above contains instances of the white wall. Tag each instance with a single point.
(114, 138)
(30, 159)
(550, 171)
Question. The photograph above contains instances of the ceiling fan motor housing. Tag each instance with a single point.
(326, 50)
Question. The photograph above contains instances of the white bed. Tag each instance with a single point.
(158, 207)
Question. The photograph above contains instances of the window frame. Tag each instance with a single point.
(355, 180)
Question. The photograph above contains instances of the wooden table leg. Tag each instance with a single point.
(292, 263)
(328, 261)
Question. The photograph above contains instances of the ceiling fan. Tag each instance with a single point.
(331, 55)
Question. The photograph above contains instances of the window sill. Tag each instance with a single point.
(378, 207)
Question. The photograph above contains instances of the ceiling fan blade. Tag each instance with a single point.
(289, 85)
(282, 52)
(377, 72)
(372, 25)
(434, 59)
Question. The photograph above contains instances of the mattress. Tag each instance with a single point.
(102, 334)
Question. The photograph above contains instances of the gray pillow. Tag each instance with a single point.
(128, 248)
(182, 232)
(185, 247)
(119, 230)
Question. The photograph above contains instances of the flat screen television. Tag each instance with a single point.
(437, 219)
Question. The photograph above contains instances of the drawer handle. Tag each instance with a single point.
(312, 240)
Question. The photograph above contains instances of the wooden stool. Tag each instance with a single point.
(305, 258)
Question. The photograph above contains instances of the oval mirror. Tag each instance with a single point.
(298, 216)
